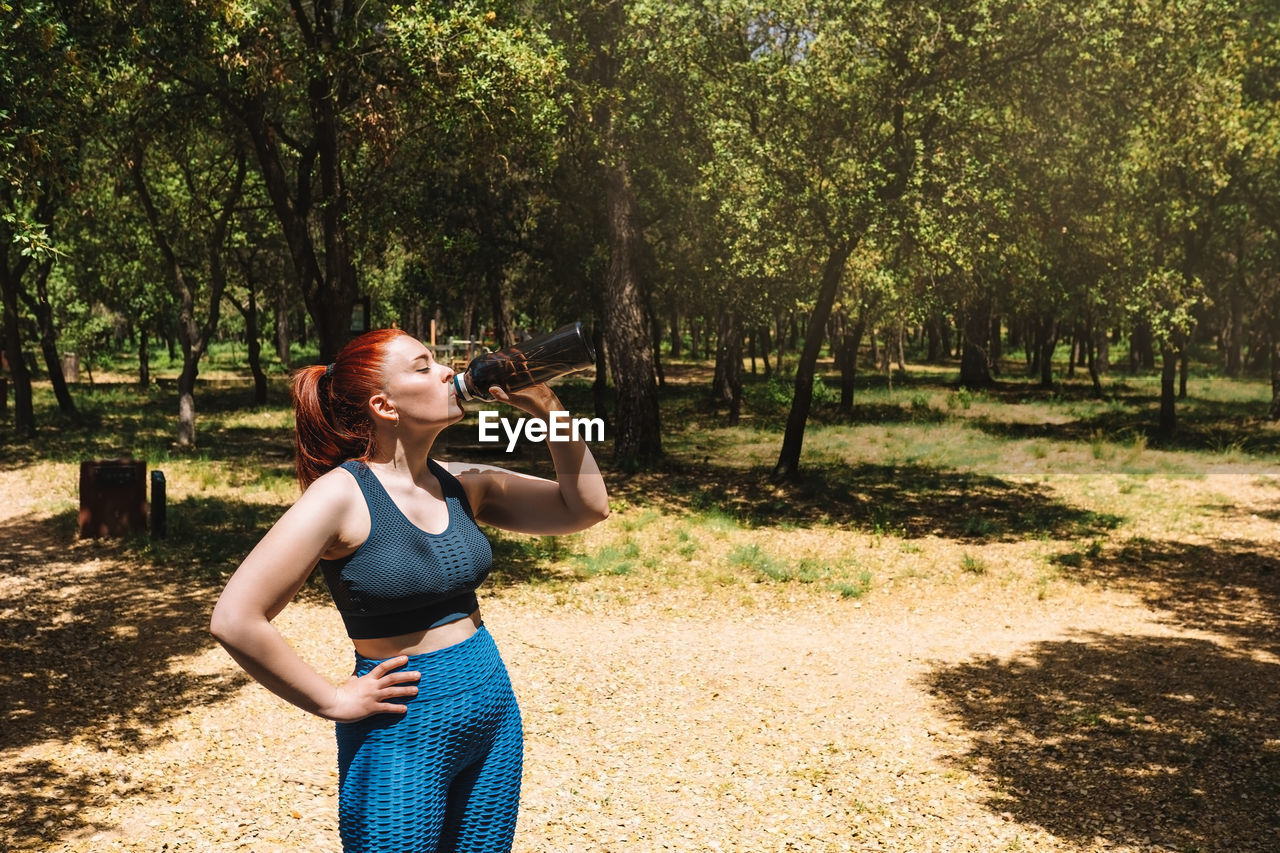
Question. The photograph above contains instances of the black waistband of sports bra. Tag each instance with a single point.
(373, 626)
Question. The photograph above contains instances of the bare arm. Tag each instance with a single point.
(574, 501)
(269, 578)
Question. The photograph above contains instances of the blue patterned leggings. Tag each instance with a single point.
(445, 776)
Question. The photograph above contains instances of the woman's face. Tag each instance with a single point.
(420, 388)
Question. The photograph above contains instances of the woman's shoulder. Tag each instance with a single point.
(336, 486)
(475, 479)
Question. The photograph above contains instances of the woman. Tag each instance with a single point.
(429, 736)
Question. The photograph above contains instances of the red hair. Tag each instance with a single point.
(331, 405)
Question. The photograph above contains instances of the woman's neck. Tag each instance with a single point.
(403, 454)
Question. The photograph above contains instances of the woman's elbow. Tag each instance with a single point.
(225, 624)
(592, 515)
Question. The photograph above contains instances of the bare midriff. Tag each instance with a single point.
(420, 642)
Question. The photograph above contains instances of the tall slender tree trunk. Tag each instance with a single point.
(1184, 366)
(43, 312)
(1141, 347)
(283, 336)
(727, 381)
(24, 418)
(254, 341)
(504, 328)
(193, 335)
(144, 356)
(847, 346)
(766, 343)
(788, 464)
(600, 386)
(975, 364)
(1048, 343)
(995, 345)
(1168, 375)
(1273, 356)
(1091, 359)
(655, 330)
(637, 428)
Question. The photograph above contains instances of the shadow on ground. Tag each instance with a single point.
(1230, 586)
(1126, 740)
(87, 643)
(1141, 740)
(1215, 426)
(903, 500)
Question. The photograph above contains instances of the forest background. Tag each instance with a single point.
(1022, 593)
(962, 179)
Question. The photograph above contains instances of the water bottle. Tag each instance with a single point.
(536, 360)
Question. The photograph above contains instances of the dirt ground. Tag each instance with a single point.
(1133, 709)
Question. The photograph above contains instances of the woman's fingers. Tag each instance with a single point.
(387, 665)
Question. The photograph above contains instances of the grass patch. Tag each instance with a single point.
(973, 565)
(917, 467)
(610, 560)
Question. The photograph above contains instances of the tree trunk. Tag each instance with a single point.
(727, 380)
(995, 344)
(933, 335)
(655, 330)
(43, 312)
(193, 335)
(504, 328)
(283, 338)
(722, 373)
(329, 292)
(255, 349)
(637, 426)
(975, 369)
(144, 356)
(1168, 374)
(677, 341)
(1091, 360)
(788, 464)
(1273, 353)
(780, 335)
(1184, 365)
(1141, 347)
(600, 386)
(848, 359)
(1235, 334)
(1048, 343)
(766, 343)
(24, 418)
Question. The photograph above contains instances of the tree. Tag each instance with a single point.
(606, 73)
(826, 112)
(44, 81)
(186, 168)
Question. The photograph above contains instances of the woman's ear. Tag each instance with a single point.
(380, 406)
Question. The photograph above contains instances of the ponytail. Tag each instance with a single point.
(330, 405)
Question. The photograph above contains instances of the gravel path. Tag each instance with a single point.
(957, 714)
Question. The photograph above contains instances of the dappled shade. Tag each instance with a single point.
(86, 645)
(1126, 740)
(902, 500)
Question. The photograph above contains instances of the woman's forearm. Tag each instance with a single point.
(264, 653)
(581, 484)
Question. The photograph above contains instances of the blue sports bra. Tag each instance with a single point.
(402, 579)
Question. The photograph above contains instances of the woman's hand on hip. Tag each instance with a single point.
(368, 694)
